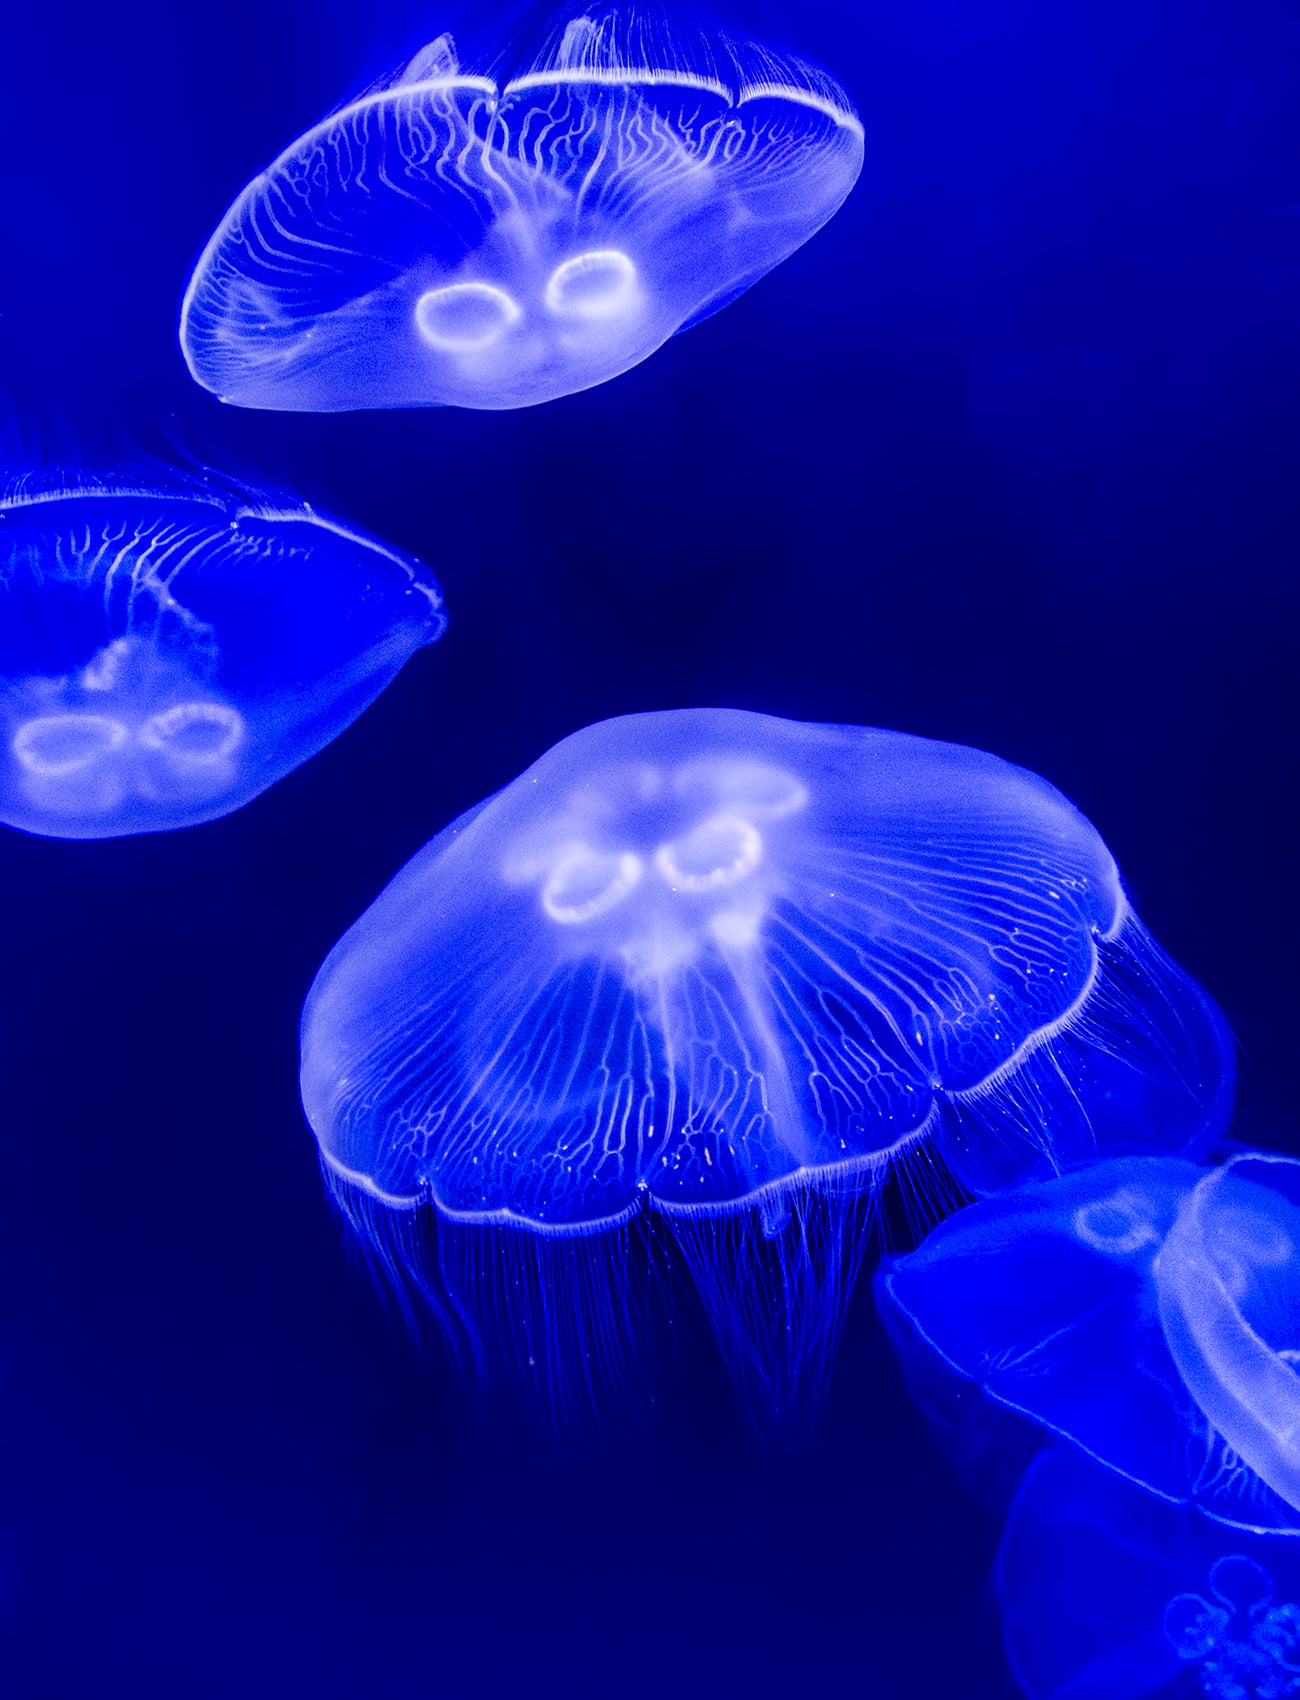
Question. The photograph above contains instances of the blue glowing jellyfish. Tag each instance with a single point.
(1049, 1300)
(453, 238)
(719, 965)
(168, 653)
(1109, 1593)
(1228, 1286)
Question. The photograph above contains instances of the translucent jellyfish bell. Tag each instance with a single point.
(452, 238)
(714, 964)
(167, 653)
(1228, 1282)
(1109, 1593)
(1049, 1300)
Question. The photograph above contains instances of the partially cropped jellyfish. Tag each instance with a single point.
(1048, 1300)
(729, 969)
(167, 653)
(1228, 1286)
(491, 241)
(1109, 1593)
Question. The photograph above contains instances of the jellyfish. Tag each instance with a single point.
(1228, 1288)
(1109, 1593)
(167, 653)
(1052, 1301)
(724, 971)
(455, 238)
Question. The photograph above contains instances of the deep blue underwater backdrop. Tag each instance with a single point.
(1007, 455)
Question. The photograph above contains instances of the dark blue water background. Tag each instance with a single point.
(1008, 455)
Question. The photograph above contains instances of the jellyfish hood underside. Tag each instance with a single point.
(457, 239)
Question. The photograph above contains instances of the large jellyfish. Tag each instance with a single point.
(1143, 1308)
(1109, 1593)
(167, 653)
(493, 241)
(729, 969)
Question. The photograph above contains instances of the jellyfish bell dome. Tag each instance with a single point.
(694, 959)
(1228, 1285)
(168, 651)
(1140, 1307)
(455, 238)
(728, 971)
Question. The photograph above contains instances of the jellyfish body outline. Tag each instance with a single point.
(1236, 1233)
(452, 238)
(170, 649)
(1044, 1298)
(728, 971)
(665, 964)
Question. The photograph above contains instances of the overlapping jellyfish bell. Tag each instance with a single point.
(455, 238)
(1048, 1299)
(1109, 1593)
(1228, 1285)
(167, 653)
(707, 961)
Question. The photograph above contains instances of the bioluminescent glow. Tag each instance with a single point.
(1228, 1284)
(1049, 1299)
(722, 966)
(166, 654)
(1109, 1593)
(453, 238)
